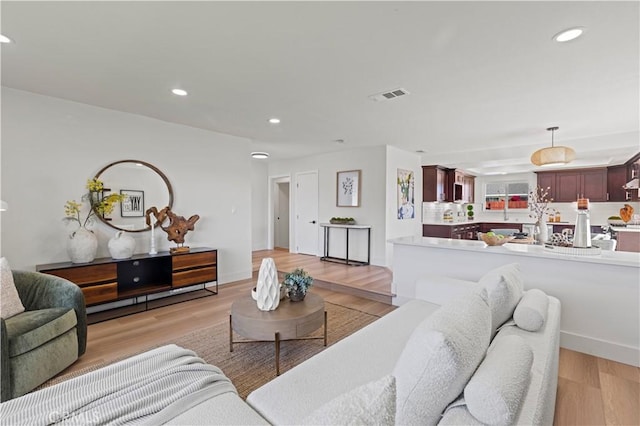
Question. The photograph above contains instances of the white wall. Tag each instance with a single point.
(259, 205)
(50, 147)
(400, 159)
(372, 204)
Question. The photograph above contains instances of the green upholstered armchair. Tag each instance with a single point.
(47, 337)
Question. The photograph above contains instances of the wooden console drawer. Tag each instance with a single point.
(193, 260)
(100, 293)
(194, 276)
(86, 275)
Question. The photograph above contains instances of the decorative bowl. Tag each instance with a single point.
(494, 240)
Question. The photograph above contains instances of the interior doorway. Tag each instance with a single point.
(281, 216)
(306, 224)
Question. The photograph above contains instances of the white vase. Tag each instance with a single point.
(82, 246)
(121, 245)
(268, 288)
(543, 231)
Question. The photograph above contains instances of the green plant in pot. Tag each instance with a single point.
(297, 284)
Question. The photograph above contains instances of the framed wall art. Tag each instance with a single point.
(133, 204)
(406, 181)
(348, 189)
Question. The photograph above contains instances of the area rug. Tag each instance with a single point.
(251, 365)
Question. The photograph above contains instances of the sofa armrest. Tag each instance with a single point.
(439, 289)
(5, 369)
(42, 291)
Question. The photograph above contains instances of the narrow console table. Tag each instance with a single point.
(345, 260)
(107, 280)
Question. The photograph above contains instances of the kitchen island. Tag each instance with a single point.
(600, 294)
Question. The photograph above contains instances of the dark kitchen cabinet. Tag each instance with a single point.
(568, 186)
(460, 231)
(616, 177)
(434, 183)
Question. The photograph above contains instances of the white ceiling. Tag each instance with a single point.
(485, 78)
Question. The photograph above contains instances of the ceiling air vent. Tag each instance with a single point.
(391, 94)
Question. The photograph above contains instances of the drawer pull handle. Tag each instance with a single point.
(136, 263)
(136, 279)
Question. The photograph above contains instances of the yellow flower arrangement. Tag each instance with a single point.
(98, 203)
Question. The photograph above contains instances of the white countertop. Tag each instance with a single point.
(621, 229)
(606, 257)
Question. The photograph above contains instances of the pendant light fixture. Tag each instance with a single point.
(553, 156)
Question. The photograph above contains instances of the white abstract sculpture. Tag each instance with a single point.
(268, 288)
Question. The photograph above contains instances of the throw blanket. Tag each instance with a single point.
(149, 388)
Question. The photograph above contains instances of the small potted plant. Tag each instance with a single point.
(297, 284)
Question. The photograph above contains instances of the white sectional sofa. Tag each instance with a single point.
(423, 363)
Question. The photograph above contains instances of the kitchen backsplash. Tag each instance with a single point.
(599, 212)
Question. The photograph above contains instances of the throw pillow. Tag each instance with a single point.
(439, 358)
(504, 288)
(371, 404)
(496, 391)
(531, 312)
(10, 303)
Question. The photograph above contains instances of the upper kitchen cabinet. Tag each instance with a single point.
(434, 183)
(568, 186)
(443, 184)
(617, 177)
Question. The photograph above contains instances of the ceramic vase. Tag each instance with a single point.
(268, 288)
(543, 232)
(121, 245)
(82, 246)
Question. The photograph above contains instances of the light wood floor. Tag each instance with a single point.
(591, 390)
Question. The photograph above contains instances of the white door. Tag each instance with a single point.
(281, 215)
(307, 213)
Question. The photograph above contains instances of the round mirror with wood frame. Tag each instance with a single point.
(144, 185)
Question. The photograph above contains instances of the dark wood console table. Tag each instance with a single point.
(106, 280)
(326, 257)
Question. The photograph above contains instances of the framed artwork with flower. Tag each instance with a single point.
(406, 182)
(133, 203)
(348, 188)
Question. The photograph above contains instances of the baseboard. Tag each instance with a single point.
(600, 348)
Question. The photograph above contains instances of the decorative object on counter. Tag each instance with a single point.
(177, 229)
(560, 239)
(447, 216)
(492, 239)
(626, 213)
(348, 189)
(406, 204)
(470, 213)
(268, 287)
(151, 222)
(582, 232)
(553, 156)
(121, 245)
(297, 284)
(539, 206)
(342, 221)
(574, 251)
(583, 204)
(82, 244)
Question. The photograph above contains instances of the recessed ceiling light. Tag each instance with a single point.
(420, 151)
(568, 35)
(274, 120)
(4, 39)
(339, 141)
(260, 155)
(179, 92)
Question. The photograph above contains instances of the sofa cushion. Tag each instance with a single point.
(373, 403)
(10, 303)
(531, 312)
(30, 329)
(496, 391)
(440, 357)
(504, 289)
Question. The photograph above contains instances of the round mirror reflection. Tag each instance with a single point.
(144, 185)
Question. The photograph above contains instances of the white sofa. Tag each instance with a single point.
(379, 374)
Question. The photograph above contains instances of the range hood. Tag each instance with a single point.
(632, 184)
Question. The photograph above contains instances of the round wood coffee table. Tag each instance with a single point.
(290, 321)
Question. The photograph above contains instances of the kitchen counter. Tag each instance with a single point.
(600, 295)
